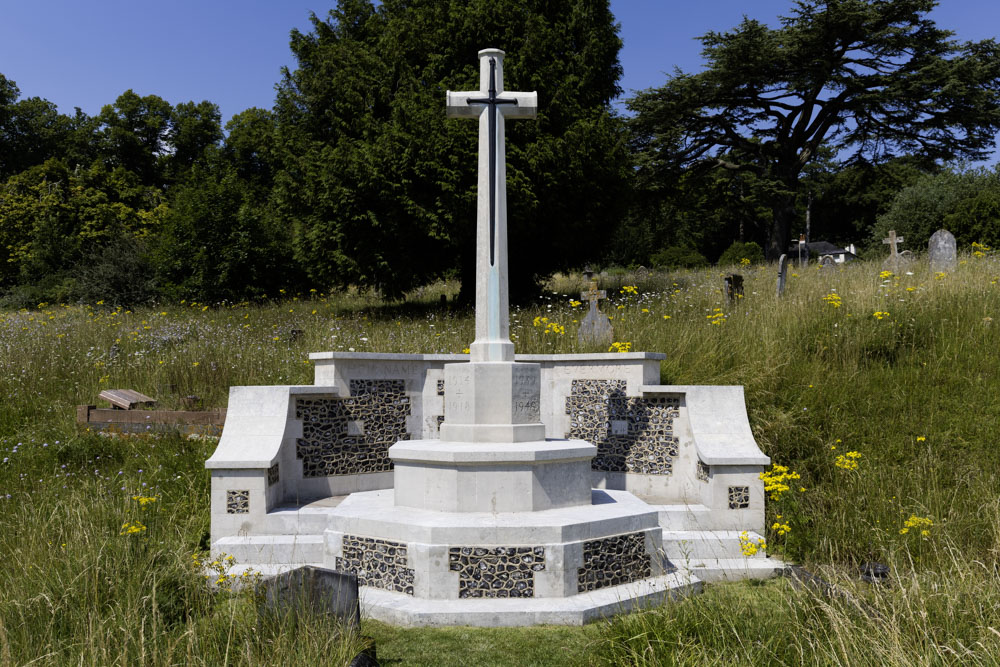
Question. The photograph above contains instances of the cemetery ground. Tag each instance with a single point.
(877, 392)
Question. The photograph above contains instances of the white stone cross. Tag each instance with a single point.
(491, 104)
(892, 241)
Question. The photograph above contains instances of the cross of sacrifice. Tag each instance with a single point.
(491, 104)
(892, 241)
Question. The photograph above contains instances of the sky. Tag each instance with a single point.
(85, 54)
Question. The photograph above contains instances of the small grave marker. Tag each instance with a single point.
(595, 327)
(827, 262)
(317, 590)
(896, 258)
(733, 286)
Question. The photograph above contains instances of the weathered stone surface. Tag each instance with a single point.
(632, 434)
(595, 328)
(378, 563)
(317, 590)
(782, 274)
(942, 251)
(612, 561)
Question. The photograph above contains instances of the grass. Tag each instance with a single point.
(913, 390)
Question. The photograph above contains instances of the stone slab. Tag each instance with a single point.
(478, 453)
(405, 610)
(718, 419)
(374, 514)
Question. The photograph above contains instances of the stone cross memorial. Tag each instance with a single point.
(484, 489)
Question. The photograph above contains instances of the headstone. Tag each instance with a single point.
(942, 251)
(827, 262)
(733, 286)
(803, 251)
(595, 329)
(782, 274)
(642, 273)
(316, 590)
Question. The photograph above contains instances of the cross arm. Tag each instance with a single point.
(457, 104)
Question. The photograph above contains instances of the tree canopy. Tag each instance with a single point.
(870, 79)
(380, 186)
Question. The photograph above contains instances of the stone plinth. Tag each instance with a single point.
(495, 402)
(481, 477)
(611, 541)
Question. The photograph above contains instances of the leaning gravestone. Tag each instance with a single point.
(782, 274)
(595, 329)
(942, 251)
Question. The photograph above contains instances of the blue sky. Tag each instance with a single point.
(230, 52)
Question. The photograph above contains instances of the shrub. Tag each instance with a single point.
(739, 250)
(678, 257)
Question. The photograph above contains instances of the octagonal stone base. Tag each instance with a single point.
(568, 565)
(483, 477)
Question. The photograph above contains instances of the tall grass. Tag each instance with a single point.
(913, 391)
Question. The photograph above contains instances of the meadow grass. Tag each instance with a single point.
(900, 370)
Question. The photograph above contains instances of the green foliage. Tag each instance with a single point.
(739, 251)
(56, 219)
(381, 186)
(867, 79)
(220, 240)
(677, 257)
(964, 201)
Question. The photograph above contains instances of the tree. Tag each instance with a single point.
(380, 186)
(869, 78)
(965, 201)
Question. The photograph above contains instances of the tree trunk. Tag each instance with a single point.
(784, 214)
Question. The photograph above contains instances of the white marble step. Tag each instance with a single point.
(711, 570)
(692, 545)
(300, 519)
(271, 549)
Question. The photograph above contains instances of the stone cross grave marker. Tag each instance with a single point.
(595, 327)
(491, 105)
(896, 259)
(782, 274)
(942, 250)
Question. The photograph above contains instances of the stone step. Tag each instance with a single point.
(698, 517)
(686, 546)
(271, 550)
(713, 570)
